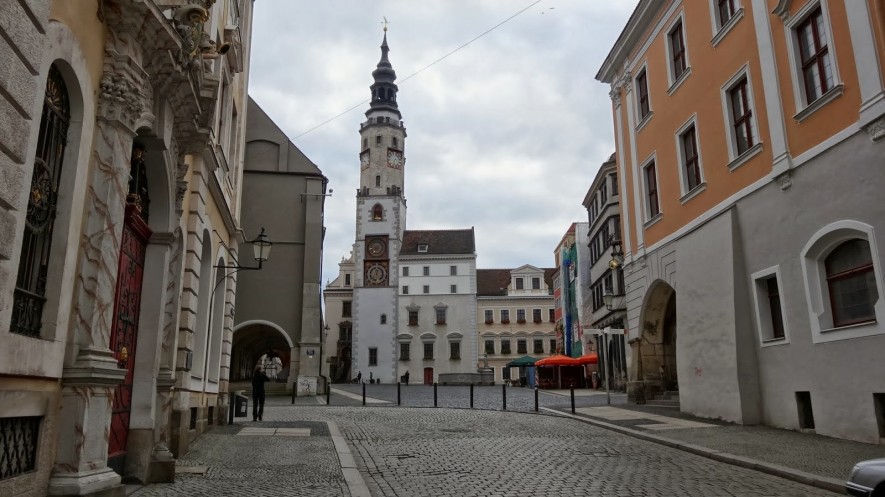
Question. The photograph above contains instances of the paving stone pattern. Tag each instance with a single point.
(459, 452)
(277, 465)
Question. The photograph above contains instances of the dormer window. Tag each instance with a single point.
(422, 248)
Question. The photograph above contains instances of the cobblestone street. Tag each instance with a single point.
(450, 452)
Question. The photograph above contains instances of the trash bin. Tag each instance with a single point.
(241, 406)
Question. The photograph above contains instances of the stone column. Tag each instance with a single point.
(91, 373)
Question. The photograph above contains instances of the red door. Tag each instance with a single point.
(428, 376)
(124, 331)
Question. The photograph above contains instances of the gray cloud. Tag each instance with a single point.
(504, 135)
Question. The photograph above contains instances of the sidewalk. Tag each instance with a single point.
(816, 460)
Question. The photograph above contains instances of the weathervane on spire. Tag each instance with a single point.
(385, 22)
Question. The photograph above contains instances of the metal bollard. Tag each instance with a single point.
(398, 402)
(573, 399)
(536, 399)
(230, 418)
(364, 394)
(504, 391)
(294, 392)
(434, 394)
(328, 394)
(471, 395)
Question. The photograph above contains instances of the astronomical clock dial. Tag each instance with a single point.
(376, 274)
(394, 158)
(376, 248)
(364, 160)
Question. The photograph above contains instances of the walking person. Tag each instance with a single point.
(258, 381)
(406, 377)
(359, 378)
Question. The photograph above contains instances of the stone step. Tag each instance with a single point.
(663, 402)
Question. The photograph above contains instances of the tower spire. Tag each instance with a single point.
(384, 89)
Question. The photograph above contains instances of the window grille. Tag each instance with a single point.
(18, 445)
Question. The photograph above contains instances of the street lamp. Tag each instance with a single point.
(261, 250)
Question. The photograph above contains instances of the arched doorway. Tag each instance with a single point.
(264, 343)
(654, 353)
(340, 364)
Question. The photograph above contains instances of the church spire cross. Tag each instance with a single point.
(385, 22)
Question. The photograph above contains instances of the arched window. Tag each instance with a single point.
(30, 287)
(851, 283)
(377, 213)
(377, 180)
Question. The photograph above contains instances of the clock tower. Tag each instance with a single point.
(380, 222)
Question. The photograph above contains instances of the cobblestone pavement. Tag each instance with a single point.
(456, 452)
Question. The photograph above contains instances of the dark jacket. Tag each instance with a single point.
(258, 381)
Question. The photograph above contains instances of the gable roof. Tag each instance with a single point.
(438, 242)
(494, 282)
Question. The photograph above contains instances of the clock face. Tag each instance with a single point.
(394, 158)
(376, 274)
(364, 160)
(376, 248)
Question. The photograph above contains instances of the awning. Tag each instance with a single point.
(522, 361)
(558, 360)
(589, 358)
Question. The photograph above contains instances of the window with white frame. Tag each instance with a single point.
(768, 300)
(489, 316)
(428, 351)
(426, 270)
(453, 288)
(519, 284)
(373, 356)
(843, 282)
(536, 283)
(505, 316)
(520, 315)
(726, 14)
(522, 346)
(816, 73)
(455, 351)
(404, 349)
(814, 55)
(453, 270)
(737, 101)
(440, 313)
(691, 162)
(538, 346)
(426, 288)
(650, 180)
(405, 289)
(490, 347)
(643, 104)
(678, 57)
(536, 315)
(405, 270)
(725, 10)
(505, 346)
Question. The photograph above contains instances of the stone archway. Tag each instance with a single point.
(654, 352)
(256, 341)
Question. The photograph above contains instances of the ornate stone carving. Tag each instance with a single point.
(627, 81)
(615, 95)
(180, 185)
(785, 180)
(120, 99)
(876, 129)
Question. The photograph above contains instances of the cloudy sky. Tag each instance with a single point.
(505, 134)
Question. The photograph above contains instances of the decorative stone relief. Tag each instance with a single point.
(180, 186)
(120, 100)
(615, 95)
(785, 180)
(876, 129)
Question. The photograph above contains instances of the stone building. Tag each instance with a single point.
(371, 327)
(121, 169)
(515, 317)
(599, 275)
(278, 319)
(749, 138)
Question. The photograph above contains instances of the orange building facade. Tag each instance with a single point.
(749, 138)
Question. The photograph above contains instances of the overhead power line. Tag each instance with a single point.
(410, 76)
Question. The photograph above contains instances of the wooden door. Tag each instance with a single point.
(428, 376)
(124, 331)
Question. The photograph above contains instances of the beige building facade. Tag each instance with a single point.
(121, 176)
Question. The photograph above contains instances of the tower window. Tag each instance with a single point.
(395, 142)
(377, 180)
(365, 143)
(377, 213)
(378, 140)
